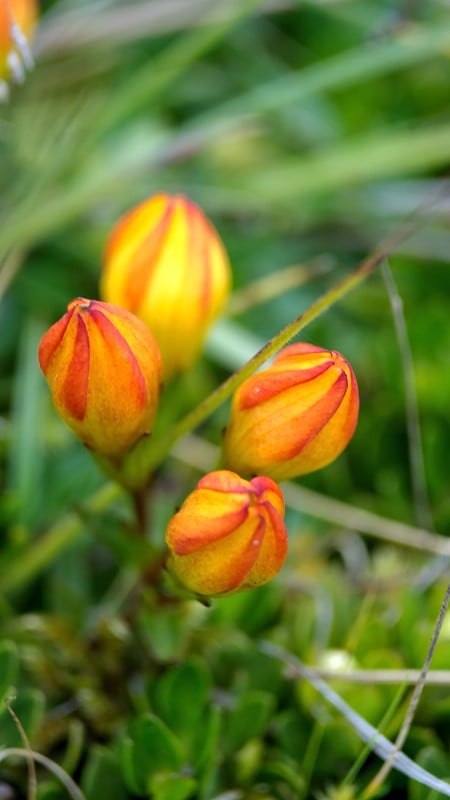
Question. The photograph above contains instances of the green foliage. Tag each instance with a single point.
(307, 133)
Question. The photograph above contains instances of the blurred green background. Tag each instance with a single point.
(307, 132)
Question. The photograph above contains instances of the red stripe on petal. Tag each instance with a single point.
(187, 534)
(199, 245)
(270, 384)
(51, 341)
(249, 554)
(121, 355)
(75, 386)
(146, 258)
(317, 416)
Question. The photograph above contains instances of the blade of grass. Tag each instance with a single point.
(24, 473)
(416, 460)
(32, 779)
(379, 744)
(277, 283)
(389, 152)
(306, 501)
(163, 70)
(41, 552)
(373, 787)
(352, 67)
(65, 203)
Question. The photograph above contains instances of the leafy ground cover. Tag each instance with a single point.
(309, 133)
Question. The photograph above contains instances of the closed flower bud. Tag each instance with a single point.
(294, 417)
(165, 262)
(17, 22)
(228, 535)
(103, 367)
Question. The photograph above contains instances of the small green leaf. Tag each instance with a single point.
(50, 790)
(249, 719)
(181, 696)
(101, 778)
(172, 787)
(285, 773)
(148, 748)
(434, 760)
(206, 747)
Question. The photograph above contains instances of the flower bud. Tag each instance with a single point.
(103, 367)
(294, 417)
(228, 535)
(17, 21)
(165, 262)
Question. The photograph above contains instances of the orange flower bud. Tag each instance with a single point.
(103, 367)
(228, 535)
(165, 262)
(19, 12)
(294, 417)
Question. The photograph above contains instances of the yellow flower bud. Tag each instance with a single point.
(103, 368)
(228, 535)
(294, 417)
(166, 263)
(19, 12)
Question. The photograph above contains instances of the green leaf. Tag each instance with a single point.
(249, 719)
(172, 787)
(101, 778)
(288, 775)
(147, 749)
(181, 696)
(434, 760)
(206, 743)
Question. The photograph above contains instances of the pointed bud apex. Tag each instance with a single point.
(294, 417)
(165, 262)
(103, 368)
(228, 535)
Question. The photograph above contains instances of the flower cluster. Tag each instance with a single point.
(165, 279)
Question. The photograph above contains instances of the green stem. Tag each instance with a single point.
(40, 553)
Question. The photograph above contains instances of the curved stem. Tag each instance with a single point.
(70, 786)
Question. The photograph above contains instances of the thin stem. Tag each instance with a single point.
(378, 743)
(413, 703)
(416, 460)
(70, 786)
(41, 552)
(382, 677)
(140, 507)
(32, 780)
(306, 501)
(9, 269)
(270, 286)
